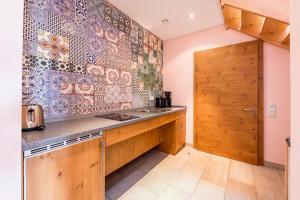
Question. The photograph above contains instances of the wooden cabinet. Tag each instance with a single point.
(123, 152)
(126, 143)
(181, 133)
(73, 172)
(177, 135)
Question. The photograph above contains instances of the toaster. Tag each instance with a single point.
(32, 117)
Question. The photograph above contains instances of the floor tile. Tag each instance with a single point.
(199, 160)
(208, 191)
(173, 162)
(242, 172)
(173, 193)
(138, 193)
(157, 180)
(193, 174)
(124, 185)
(216, 171)
(187, 178)
(240, 191)
(113, 179)
(151, 161)
(268, 184)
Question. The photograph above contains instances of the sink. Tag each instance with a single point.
(154, 110)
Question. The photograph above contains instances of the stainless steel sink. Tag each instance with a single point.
(154, 110)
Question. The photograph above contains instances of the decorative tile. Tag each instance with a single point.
(112, 93)
(95, 70)
(80, 12)
(96, 45)
(134, 32)
(91, 58)
(78, 69)
(95, 7)
(33, 84)
(61, 66)
(86, 56)
(29, 47)
(78, 51)
(112, 76)
(99, 87)
(125, 78)
(38, 16)
(112, 35)
(60, 107)
(64, 8)
(53, 46)
(53, 24)
(39, 4)
(84, 88)
(66, 88)
(86, 100)
(116, 18)
(29, 30)
(125, 106)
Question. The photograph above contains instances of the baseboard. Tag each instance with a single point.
(274, 165)
(266, 163)
(189, 144)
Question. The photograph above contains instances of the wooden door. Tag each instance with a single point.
(228, 101)
(71, 173)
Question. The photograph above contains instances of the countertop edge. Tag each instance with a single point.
(40, 143)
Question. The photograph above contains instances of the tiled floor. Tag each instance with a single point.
(194, 175)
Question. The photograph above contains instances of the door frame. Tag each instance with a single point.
(260, 114)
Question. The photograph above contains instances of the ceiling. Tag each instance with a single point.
(207, 13)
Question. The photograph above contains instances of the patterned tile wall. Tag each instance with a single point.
(86, 56)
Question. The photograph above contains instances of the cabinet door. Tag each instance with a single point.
(71, 173)
(182, 131)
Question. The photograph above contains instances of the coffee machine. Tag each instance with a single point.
(168, 99)
(164, 100)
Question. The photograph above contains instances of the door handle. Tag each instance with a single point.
(252, 111)
(248, 109)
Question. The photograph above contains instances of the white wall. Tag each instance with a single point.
(11, 17)
(295, 101)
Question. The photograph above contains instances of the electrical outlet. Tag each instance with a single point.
(272, 109)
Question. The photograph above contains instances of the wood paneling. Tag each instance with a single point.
(123, 152)
(114, 136)
(126, 143)
(70, 173)
(262, 27)
(227, 101)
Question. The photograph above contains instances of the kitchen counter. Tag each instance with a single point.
(55, 132)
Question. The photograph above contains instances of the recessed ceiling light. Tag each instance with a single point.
(192, 16)
(165, 21)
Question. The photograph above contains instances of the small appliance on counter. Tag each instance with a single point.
(168, 99)
(163, 101)
(32, 117)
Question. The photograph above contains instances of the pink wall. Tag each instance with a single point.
(295, 99)
(11, 20)
(178, 77)
(276, 90)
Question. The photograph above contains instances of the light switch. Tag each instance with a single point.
(272, 109)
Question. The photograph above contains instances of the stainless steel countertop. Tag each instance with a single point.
(62, 130)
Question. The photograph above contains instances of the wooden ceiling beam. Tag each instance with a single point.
(262, 27)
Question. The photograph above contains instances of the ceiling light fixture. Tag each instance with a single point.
(165, 21)
(192, 16)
